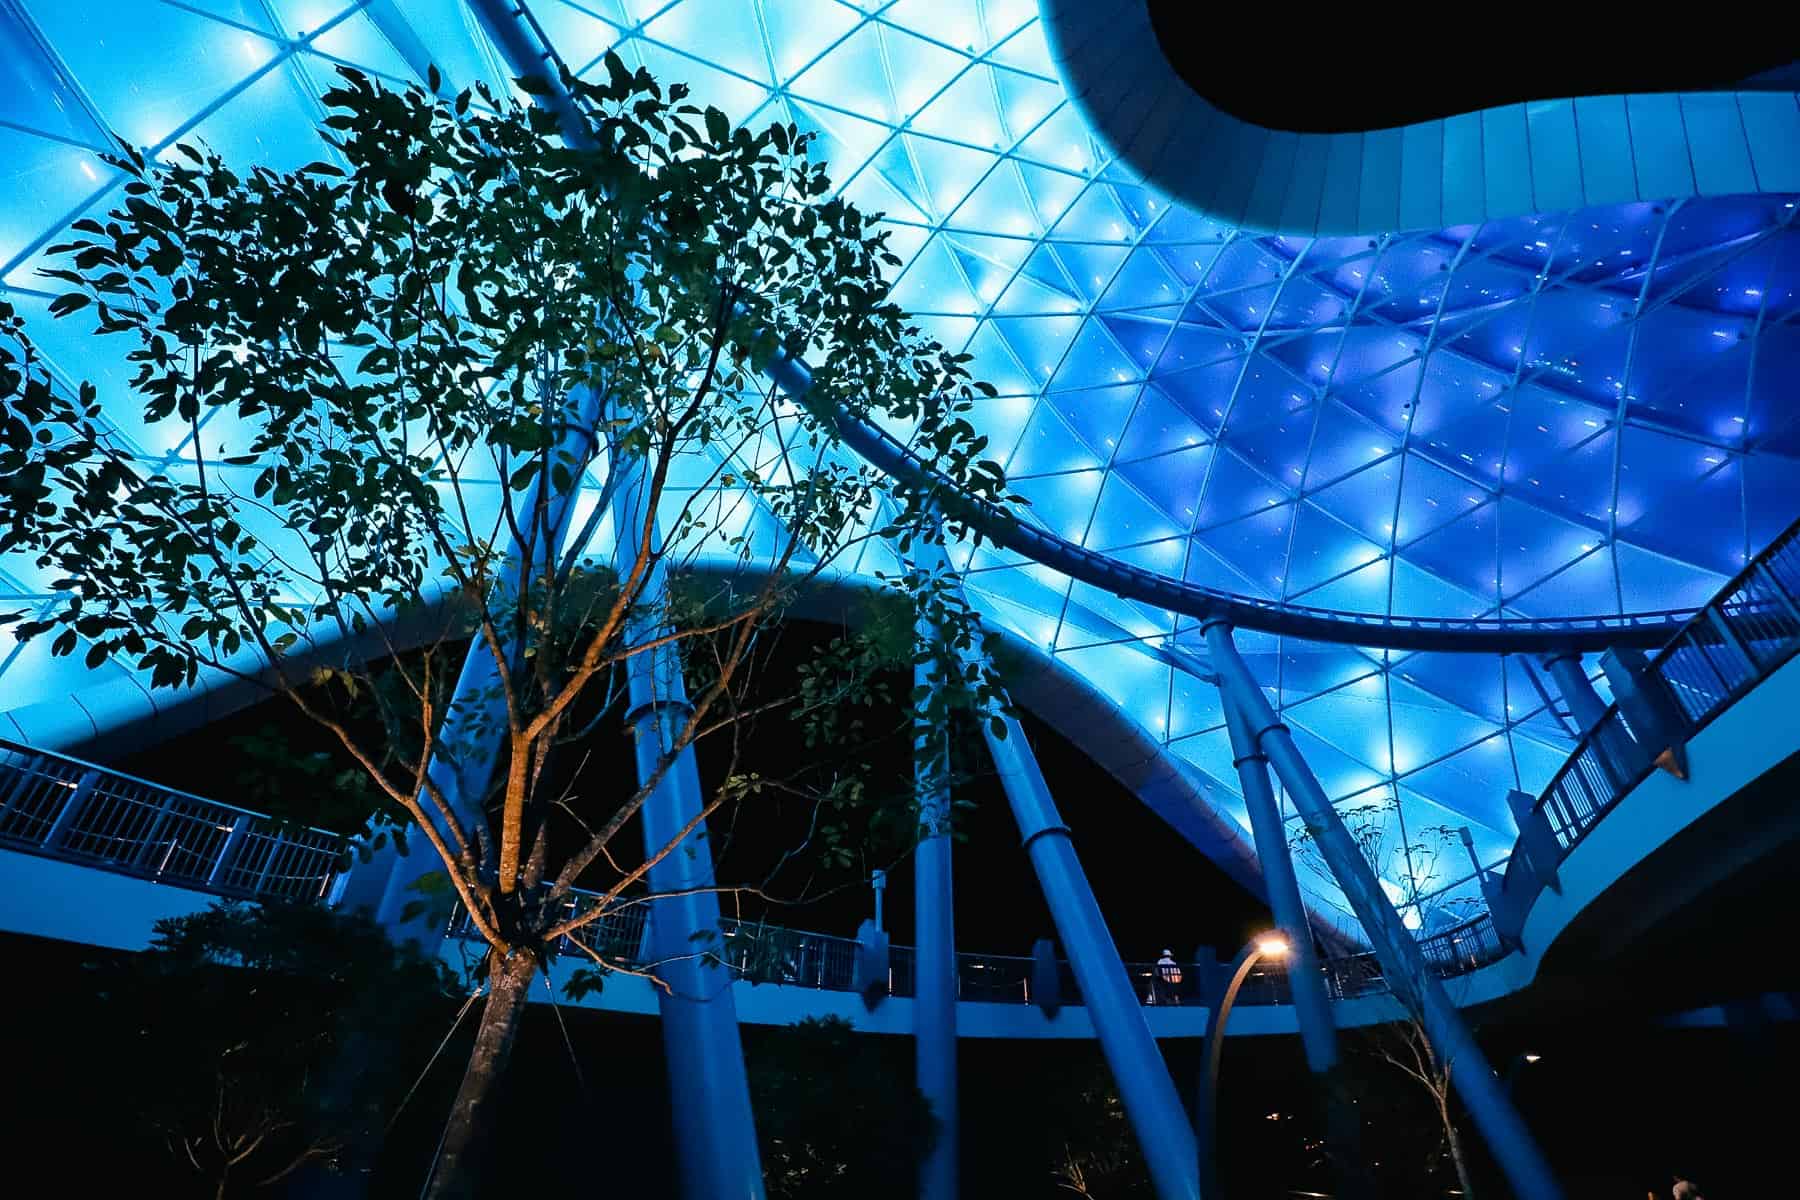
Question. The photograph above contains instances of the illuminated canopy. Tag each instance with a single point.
(1570, 413)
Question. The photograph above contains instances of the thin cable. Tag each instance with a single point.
(574, 1060)
(454, 1025)
(436, 1154)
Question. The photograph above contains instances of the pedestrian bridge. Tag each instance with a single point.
(1695, 766)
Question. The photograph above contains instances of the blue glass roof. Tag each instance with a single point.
(1570, 413)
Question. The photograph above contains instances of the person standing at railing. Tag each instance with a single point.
(1166, 987)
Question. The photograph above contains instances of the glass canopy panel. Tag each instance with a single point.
(1570, 413)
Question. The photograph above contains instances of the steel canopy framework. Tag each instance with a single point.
(1539, 417)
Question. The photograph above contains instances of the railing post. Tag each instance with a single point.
(1729, 636)
(869, 974)
(157, 824)
(641, 954)
(1046, 977)
(1537, 843)
(71, 811)
(234, 841)
(1644, 698)
(1413, 982)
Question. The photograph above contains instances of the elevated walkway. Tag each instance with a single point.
(1686, 782)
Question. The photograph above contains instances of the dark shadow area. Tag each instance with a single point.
(1389, 69)
(1618, 1103)
(1697, 922)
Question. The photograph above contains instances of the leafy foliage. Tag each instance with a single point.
(389, 373)
(243, 1017)
(386, 365)
(832, 1119)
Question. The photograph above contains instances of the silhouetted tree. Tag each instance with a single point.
(236, 1025)
(386, 367)
(832, 1120)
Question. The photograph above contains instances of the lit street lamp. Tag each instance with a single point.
(1512, 1069)
(1268, 945)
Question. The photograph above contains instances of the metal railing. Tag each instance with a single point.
(55, 805)
(1732, 644)
(61, 807)
(763, 953)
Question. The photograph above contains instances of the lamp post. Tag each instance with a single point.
(1268, 945)
(1512, 1069)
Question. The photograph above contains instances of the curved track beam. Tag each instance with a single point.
(1494, 635)
(1510, 161)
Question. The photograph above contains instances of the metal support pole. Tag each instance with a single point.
(878, 882)
(1164, 1134)
(1616, 750)
(934, 957)
(70, 814)
(228, 852)
(1215, 1051)
(1585, 704)
(1306, 982)
(1312, 1011)
(709, 1092)
(1414, 983)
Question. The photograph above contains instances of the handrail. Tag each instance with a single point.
(1735, 641)
(763, 953)
(62, 807)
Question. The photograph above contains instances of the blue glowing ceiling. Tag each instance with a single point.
(1571, 413)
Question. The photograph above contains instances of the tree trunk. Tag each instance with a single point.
(1456, 1157)
(456, 1175)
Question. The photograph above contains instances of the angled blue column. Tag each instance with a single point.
(1312, 1009)
(1413, 982)
(934, 959)
(1577, 690)
(1151, 1103)
(1165, 1136)
(1618, 752)
(709, 1092)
